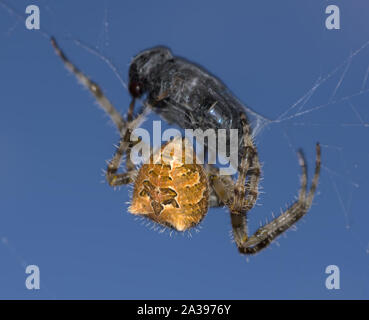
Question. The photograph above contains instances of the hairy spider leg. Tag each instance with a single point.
(267, 233)
(125, 128)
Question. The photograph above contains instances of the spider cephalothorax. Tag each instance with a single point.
(169, 191)
(178, 194)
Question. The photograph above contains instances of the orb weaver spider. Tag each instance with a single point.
(178, 195)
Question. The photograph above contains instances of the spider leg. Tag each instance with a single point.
(245, 195)
(94, 88)
(124, 148)
(266, 234)
(125, 128)
(116, 179)
(219, 186)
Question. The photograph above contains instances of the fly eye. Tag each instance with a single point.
(136, 89)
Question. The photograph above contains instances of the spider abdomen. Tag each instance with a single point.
(169, 191)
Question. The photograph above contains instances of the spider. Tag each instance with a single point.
(176, 194)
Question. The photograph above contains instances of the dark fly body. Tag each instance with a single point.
(184, 93)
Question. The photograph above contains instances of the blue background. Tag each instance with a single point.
(55, 213)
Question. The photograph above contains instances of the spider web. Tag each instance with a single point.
(313, 109)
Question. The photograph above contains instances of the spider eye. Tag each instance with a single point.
(136, 89)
